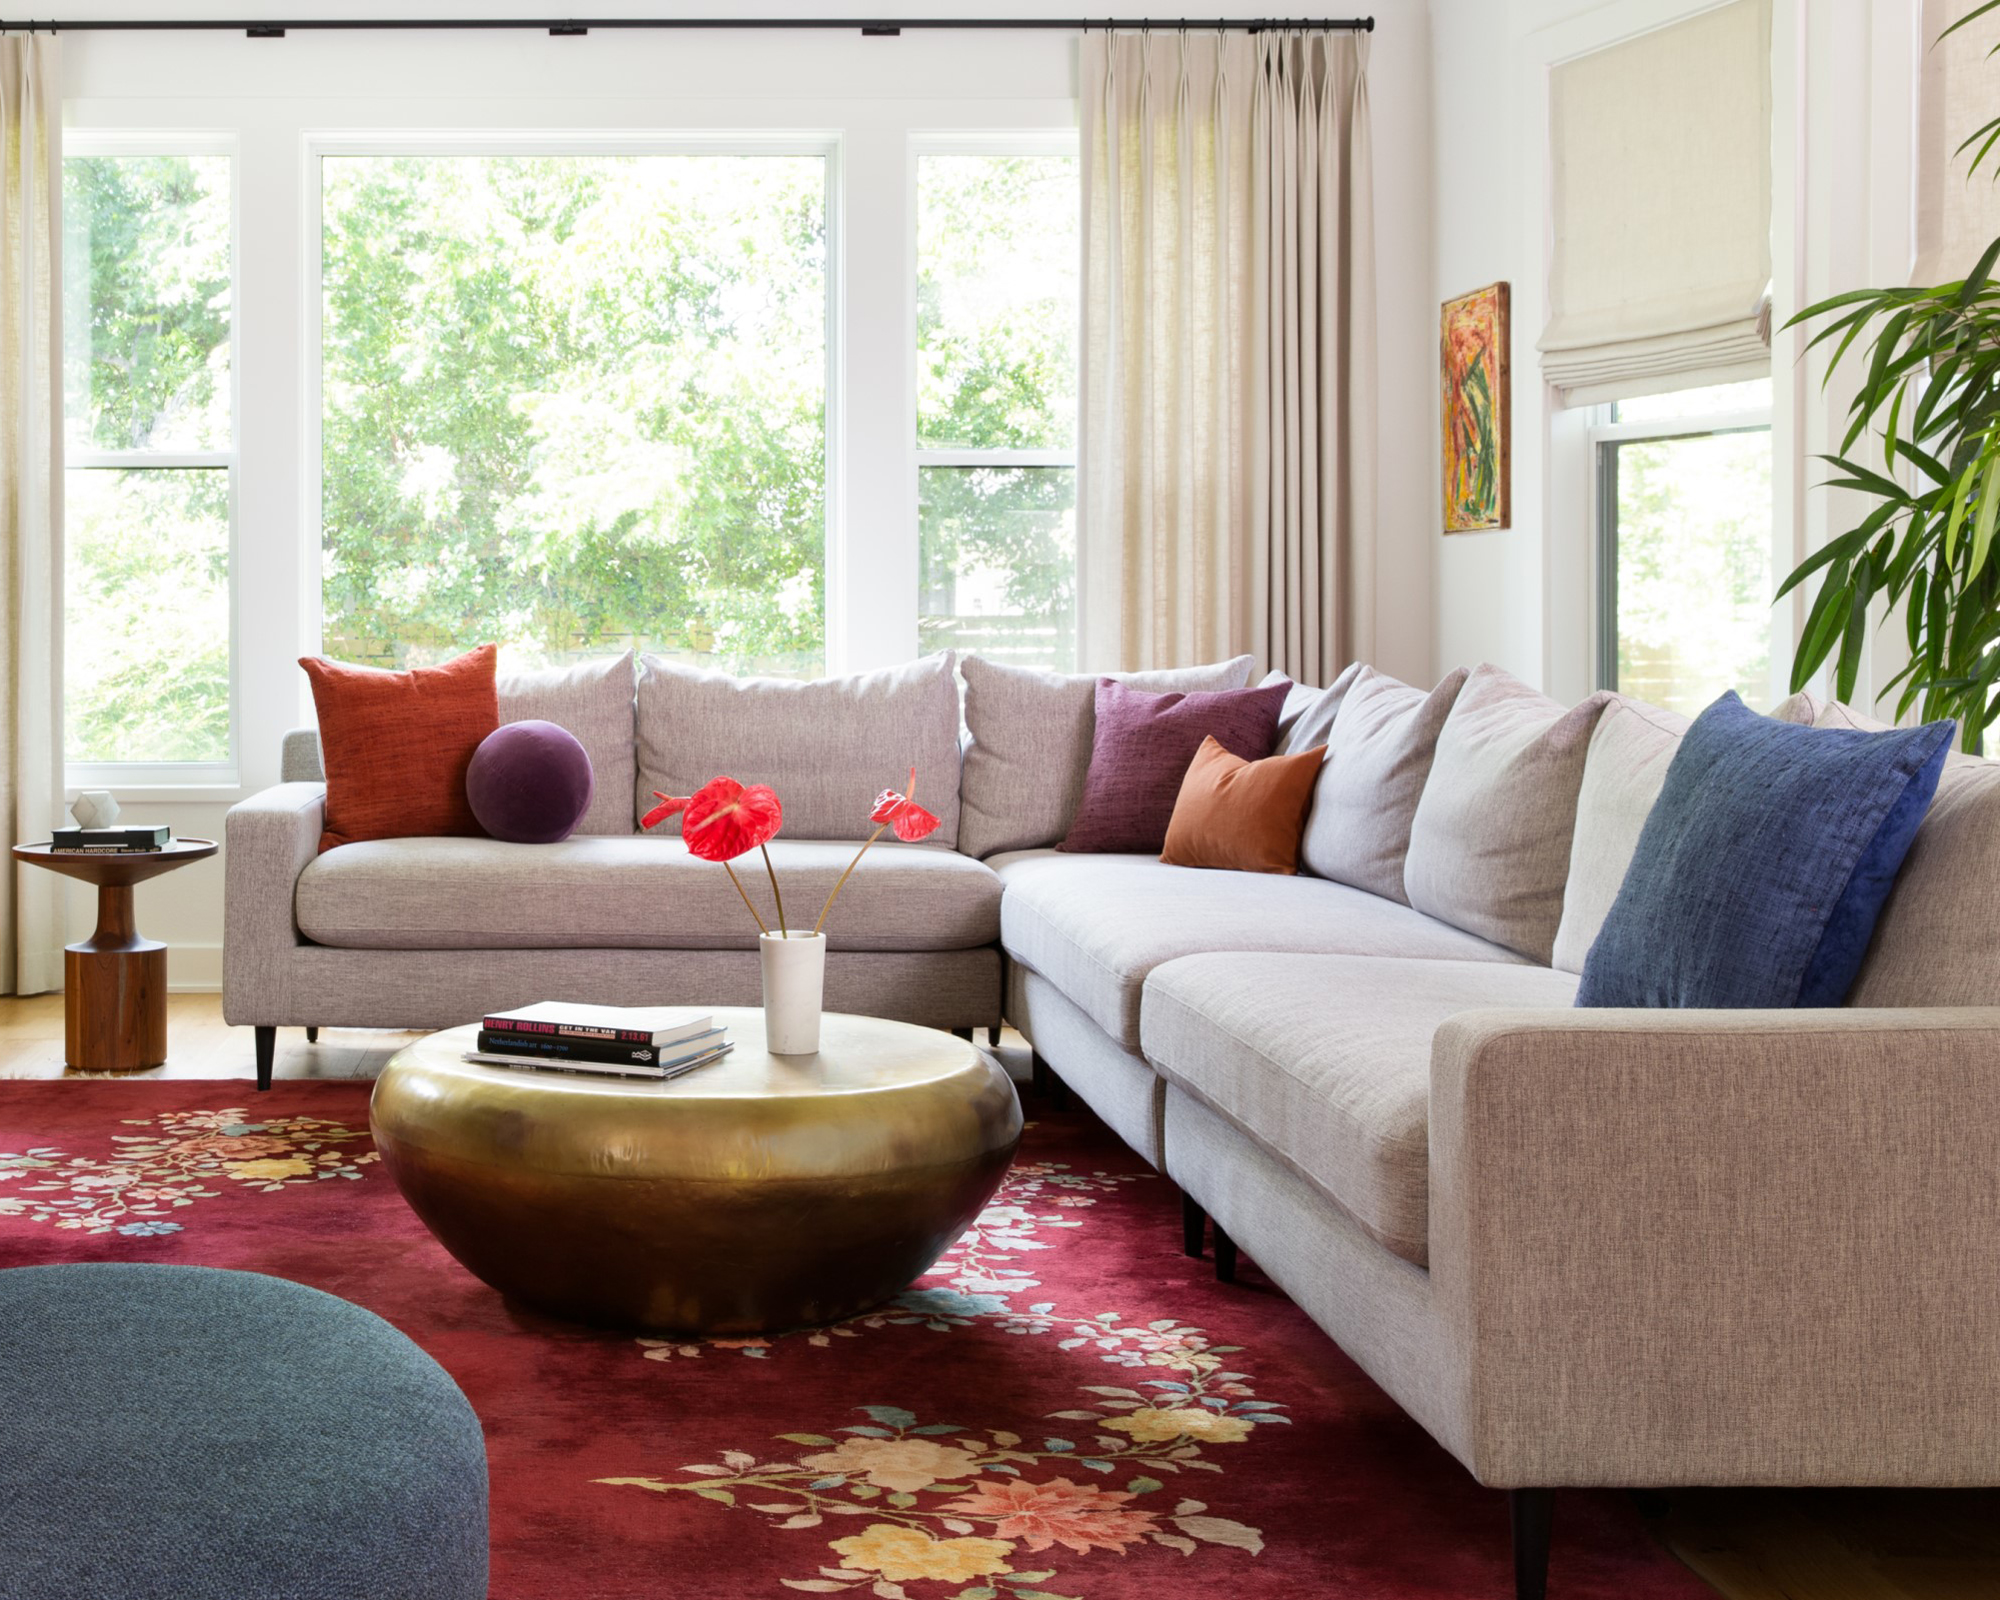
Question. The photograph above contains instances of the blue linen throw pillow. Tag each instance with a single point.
(1764, 863)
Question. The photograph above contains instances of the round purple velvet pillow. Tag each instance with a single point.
(529, 783)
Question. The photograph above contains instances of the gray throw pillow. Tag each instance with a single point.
(1031, 740)
(828, 746)
(1376, 762)
(1307, 720)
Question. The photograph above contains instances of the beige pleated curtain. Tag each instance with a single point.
(30, 502)
(1226, 493)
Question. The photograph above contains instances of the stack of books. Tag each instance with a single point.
(142, 839)
(617, 1041)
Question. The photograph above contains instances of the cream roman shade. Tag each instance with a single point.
(1958, 213)
(1660, 200)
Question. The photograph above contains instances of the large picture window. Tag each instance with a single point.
(150, 450)
(996, 405)
(575, 403)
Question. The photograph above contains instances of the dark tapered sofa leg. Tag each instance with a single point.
(993, 1036)
(267, 1049)
(964, 1033)
(1533, 1510)
(1225, 1257)
(312, 1036)
(1194, 1224)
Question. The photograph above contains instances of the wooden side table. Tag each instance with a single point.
(115, 982)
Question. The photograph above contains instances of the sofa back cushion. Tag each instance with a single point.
(1031, 737)
(1490, 841)
(593, 701)
(1377, 758)
(1630, 750)
(1306, 723)
(828, 747)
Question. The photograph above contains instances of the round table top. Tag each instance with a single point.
(877, 1095)
(115, 868)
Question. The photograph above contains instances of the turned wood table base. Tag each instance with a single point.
(115, 992)
(115, 982)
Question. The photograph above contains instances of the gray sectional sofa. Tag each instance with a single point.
(1581, 1247)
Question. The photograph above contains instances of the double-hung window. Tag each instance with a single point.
(149, 416)
(997, 273)
(1684, 545)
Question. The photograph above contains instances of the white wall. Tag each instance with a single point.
(1843, 108)
(866, 93)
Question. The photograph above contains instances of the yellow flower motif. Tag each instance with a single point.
(904, 1464)
(269, 1169)
(1150, 1425)
(902, 1555)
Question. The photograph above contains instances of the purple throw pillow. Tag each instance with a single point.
(529, 783)
(1142, 749)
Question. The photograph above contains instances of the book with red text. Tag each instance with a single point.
(640, 1025)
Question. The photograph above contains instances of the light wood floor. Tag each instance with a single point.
(1775, 1544)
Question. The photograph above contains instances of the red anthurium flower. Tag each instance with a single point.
(723, 819)
(910, 820)
(669, 806)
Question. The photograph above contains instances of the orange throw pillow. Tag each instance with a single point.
(395, 745)
(1245, 816)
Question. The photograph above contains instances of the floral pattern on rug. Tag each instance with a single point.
(978, 1271)
(153, 1174)
(938, 1502)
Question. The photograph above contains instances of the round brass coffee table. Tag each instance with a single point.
(758, 1193)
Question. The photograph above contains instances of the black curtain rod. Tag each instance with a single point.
(886, 27)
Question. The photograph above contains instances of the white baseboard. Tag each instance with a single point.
(194, 969)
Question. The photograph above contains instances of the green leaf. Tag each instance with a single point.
(1853, 636)
(806, 1438)
(1989, 508)
(1957, 519)
(1975, 280)
(1142, 1485)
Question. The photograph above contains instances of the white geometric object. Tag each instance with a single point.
(94, 808)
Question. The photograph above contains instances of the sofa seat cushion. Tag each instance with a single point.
(1095, 926)
(642, 892)
(1325, 1061)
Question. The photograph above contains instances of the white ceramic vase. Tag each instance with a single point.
(794, 985)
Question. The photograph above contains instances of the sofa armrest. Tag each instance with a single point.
(272, 837)
(1721, 1246)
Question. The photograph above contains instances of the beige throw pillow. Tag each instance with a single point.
(1630, 750)
(829, 747)
(1377, 758)
(1490, 843)
(1031, 738)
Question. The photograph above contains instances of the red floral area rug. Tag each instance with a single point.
(1065, 1408)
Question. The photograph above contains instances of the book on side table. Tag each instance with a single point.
(619, 1041)
(136, 839)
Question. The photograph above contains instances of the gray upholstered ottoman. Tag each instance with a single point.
(176, 1433)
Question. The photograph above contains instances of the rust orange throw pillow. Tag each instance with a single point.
(395, 745)
(1245, 816)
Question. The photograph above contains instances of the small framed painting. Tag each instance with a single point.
(1473, 364)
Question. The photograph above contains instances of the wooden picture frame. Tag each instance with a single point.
(1474, 367)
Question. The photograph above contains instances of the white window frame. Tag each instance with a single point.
(1015, 142)
(141, 780)
(1601, 431)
